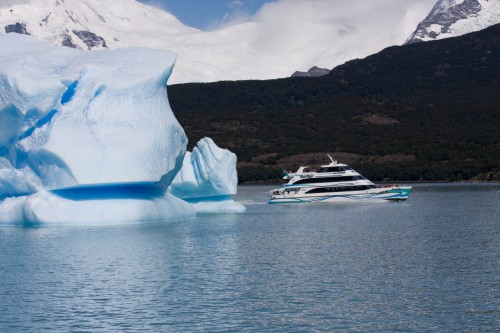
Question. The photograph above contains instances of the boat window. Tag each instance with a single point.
(340, 189)
(347, 168)
(328, 179)
(331, 169)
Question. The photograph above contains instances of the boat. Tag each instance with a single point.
(334, 182)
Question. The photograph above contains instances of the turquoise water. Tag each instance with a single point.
(429, 264)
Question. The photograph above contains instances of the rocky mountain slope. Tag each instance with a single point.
(313, 72)
(451, 18)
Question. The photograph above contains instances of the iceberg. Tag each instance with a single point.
(75, 117)
(17, 182)
(82, 208)
(90, 138)
(208, 178)
(60, 209)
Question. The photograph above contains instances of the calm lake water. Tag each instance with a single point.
(429, 264)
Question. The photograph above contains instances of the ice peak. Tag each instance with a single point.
(450, 18)
(83, 24)
(84, 113)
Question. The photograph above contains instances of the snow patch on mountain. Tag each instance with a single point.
(450, 18)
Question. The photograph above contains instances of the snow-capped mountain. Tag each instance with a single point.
(451, 18)
(274, 44)
(92, 24)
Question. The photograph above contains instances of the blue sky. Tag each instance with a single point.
(207, 14)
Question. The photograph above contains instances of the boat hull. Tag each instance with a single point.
(400, 193)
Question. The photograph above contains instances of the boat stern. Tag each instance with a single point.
(398, 193)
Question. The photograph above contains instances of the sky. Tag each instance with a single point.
(214, 14)
(209, 14)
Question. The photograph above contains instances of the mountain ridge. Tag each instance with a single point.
(450, 18)
(434, 104)
(314, 71)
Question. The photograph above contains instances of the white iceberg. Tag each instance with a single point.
(89, 137)
(87, 118)
(81, 208)
(208, 178)
(16, 182)
(12, 211)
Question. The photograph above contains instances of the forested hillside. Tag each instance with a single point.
(425, 111)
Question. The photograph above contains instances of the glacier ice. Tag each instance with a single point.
(89, 137)
(208, 178)
(11, 211)
(56, 208)
(206, 171)
(16, 182)
(59, 208)
(77, 116)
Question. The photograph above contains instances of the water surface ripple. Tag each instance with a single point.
(428, 264)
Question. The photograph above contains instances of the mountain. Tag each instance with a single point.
(313, 72)
(424, 111)
(92, 24)
(451, 18)
(274, 44)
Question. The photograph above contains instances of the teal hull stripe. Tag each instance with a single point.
(396, 195)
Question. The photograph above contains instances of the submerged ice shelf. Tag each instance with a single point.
(89, 137)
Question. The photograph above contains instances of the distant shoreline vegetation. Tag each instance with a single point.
(422, 112)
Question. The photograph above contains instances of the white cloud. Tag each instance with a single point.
(237, 13)
(377, 16)
(8, 3)
(329, 32)
(298, 24)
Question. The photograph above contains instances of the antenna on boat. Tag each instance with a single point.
(331, 159)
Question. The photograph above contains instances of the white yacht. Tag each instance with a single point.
(331, 183)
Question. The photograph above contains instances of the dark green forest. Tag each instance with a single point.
(421, 112)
